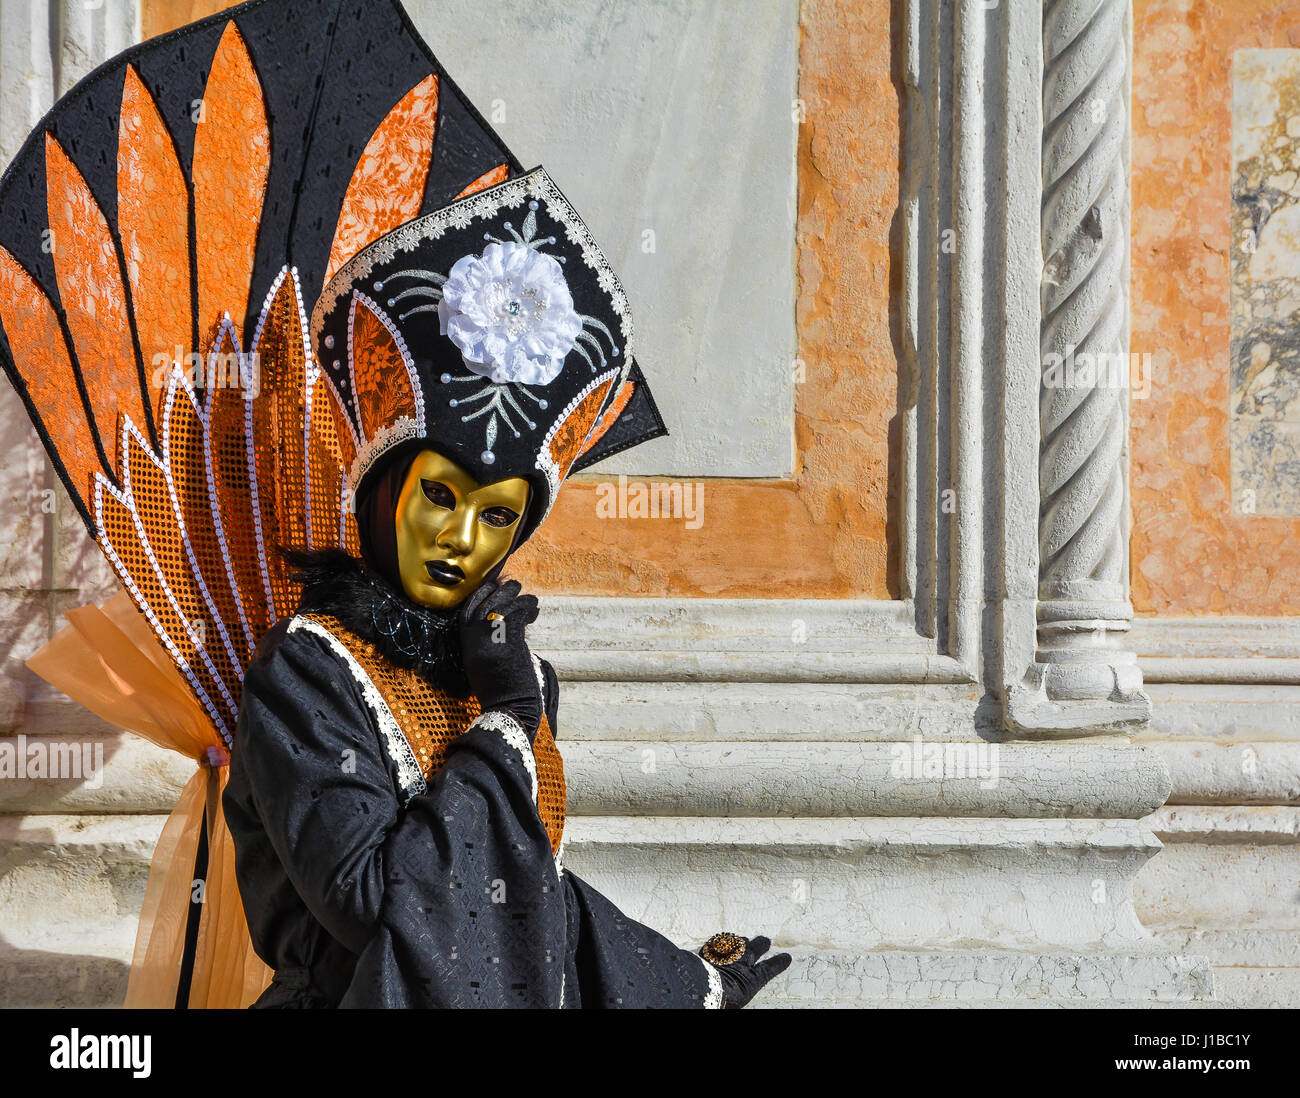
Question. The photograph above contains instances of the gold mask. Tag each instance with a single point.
(452, 530)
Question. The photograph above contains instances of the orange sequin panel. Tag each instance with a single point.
(226, 409)
(610, 415)
(325, 507)
(185, 461)
(279, 442)
(566, 443)
(499, 174)
(387, 187)
(431, 718)
(159, 536)
(93, 296)
(37, 345)
(232, 158)
(125, 522)
(380, 381)
(151, 216)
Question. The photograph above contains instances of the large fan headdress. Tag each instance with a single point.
(169, 228)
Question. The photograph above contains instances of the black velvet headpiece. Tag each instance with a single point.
(494, 331)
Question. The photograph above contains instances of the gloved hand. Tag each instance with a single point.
(496, 659)
(745, 977)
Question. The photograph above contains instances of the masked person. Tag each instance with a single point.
(311, 516)
(368, 883)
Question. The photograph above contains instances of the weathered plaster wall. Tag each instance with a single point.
(823, 531)
(1191, 553)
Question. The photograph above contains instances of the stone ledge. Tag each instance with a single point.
(979, 977)
(735, 778)
(1078, 780)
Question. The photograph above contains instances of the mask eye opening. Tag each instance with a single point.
(438, 493)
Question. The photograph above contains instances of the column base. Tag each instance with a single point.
(1030, 707)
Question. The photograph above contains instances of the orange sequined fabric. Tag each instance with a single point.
(431, 718)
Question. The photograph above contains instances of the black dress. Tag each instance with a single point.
(360, 894)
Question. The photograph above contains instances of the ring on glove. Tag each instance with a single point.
(723, 949)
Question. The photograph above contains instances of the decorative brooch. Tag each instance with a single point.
(724, 949)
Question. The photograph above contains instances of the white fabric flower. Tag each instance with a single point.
(511, 314)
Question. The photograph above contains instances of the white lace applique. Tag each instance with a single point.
(713, 1000)
(513, 733)
(408, 770)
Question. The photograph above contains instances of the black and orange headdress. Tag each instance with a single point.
(165, 234)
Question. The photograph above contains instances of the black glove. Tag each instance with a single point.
(496, 659)
(744, 978)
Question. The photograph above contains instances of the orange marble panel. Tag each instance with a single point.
(1190, 553)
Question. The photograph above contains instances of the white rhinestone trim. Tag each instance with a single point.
(513, 733)
(409, 777)
(214, 505)
(554, 475)
(396, 432)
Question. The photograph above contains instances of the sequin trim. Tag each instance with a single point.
(713, 999)
(408, 770)
(513, 733)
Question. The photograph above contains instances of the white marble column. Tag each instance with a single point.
(1084, 676)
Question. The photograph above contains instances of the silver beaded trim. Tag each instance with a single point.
(554, 475)
(409, 777)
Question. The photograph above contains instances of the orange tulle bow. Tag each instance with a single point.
(109, 660)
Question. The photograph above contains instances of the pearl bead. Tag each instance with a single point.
(329, 342)
(445, 378)
(488, 457)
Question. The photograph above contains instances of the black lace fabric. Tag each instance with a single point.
(415, 637)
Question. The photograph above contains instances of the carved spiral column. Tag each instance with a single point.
(1084, 611)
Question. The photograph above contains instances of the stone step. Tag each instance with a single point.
(873, 908)
(71, 888)
(730, 778)
(981, 977)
